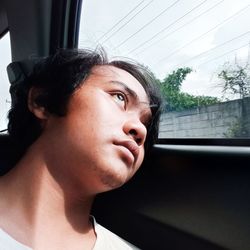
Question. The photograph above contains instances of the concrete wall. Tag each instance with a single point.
(215, 121)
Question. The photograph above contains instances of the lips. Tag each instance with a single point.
(131, 146)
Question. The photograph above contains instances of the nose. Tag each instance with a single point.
(136, 130)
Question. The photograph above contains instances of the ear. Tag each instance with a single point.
(39, 111)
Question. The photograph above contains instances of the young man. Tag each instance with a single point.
(81, 125)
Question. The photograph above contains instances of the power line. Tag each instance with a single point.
(197, 38)
(224, 54)
(216, 47)
(116, 24)
(165, 28)
(248, 56)
(137, 13)
(148, 23)
(172, 32)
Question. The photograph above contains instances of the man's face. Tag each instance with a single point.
(100, 142)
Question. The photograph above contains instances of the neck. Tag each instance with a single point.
(41, 205)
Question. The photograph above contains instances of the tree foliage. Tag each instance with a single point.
(235, 80)
(176, 100)
(239, 129)
(172, 83)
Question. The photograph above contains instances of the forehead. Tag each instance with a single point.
(107, 73)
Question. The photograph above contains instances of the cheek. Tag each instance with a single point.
(97, 112)
(90, 121)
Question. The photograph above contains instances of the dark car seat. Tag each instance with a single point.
(17, 72)
(7, 156)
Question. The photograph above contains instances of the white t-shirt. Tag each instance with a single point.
(106, 240)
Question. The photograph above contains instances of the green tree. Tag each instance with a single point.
(172, 83)
(235, 80)
(176, 100)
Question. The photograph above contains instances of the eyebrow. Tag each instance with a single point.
(133, 94)
(135, 97)
(127, 89)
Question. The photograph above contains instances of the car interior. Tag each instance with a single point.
(190, 193)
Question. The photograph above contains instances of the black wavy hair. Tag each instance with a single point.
(57, 77)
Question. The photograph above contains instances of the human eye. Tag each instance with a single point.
(120, 98)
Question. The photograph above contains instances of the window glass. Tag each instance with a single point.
(199, 50)
(5, 53)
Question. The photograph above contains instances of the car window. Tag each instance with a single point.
(198, 50)
(5, 53)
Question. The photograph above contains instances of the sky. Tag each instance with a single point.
(166, 35)
(163, 35)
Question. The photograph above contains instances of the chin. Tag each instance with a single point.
(113, 180)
